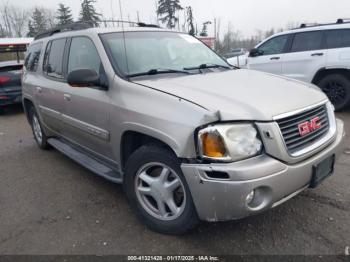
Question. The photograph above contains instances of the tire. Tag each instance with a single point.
(38, 132)
(154, 161)
(337, 88)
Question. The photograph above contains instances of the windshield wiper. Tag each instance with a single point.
(205, 66)
(160, 71)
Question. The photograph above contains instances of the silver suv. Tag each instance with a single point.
(188, 136)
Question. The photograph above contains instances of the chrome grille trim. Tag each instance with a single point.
(288, 124)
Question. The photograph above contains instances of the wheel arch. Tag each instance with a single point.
(131, 140)
(27, 104)
(323, 72)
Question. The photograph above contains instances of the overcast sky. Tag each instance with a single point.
(244, 15)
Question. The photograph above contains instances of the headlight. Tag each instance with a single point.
(229, 142)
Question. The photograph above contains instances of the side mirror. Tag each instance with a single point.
(255, 52)
(85, 78)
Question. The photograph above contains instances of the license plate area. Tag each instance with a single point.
(321, 171)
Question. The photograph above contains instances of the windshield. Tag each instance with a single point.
(146, 51)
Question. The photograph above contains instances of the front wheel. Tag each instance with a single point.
(337, 88)
(158, 192)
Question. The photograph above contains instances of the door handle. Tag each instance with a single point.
(67, 97)
(275, 58)
(39, 89)
(317, 54)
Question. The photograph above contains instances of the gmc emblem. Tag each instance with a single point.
(309, 126)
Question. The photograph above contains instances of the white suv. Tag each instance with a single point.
(319, 54)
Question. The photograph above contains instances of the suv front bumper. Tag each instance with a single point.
(274, 181)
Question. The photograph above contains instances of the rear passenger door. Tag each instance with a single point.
(86, 110)
(50, 87)
(306, 56)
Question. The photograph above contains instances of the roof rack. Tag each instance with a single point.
(59, 29)
(343, 20)
(339, 21)
(139, 24)
(304, 25)
(85, 25)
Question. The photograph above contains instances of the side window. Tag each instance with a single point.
(83, 55)
(54, 58)
(307, 41)
(32, 59)
(274, 46)
(338, 38)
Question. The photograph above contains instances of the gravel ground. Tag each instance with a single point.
(51, 205)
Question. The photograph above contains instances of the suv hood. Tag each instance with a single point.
(239, 94)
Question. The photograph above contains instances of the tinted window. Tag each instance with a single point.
(53, 63)
(32, 58)
(274, 46)
(338, 38)
(83, 55)
(307, 41)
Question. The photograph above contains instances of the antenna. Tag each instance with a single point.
(126, 55)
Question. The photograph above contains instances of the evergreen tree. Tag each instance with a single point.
(167, 12)
(88, 12)
(37, 22)
(190, 21)
(64, 15)
(31, 30)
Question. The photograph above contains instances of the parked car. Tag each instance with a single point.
(238, 61)
(188, 136)
(318, 54)
(236, 52)
(10, 83)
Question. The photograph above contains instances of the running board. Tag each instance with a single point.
(90, 163)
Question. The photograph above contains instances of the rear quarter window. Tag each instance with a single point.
(338, 38)
(32, 58)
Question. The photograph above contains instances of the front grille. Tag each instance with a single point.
(290, 128)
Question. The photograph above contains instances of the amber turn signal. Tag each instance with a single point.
(213, 146)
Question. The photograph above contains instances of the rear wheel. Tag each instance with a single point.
(38, 132)
(337, 88)
(158, 192)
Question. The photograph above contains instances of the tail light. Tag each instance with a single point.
(4, 80)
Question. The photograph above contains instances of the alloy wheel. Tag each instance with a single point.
(160, 191)
(37, 129)
(335, 91)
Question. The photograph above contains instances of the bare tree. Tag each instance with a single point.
(18, 19)
(2, 31)
(5, 16)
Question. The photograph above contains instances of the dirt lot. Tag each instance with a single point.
(50, 205)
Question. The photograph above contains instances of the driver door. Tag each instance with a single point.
(270, 56)
(86, 110)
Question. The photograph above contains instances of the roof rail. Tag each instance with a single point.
(69, 27)
(85, 25)
(339, 21)
(343, 20)
(304, 25)
(140, 24)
